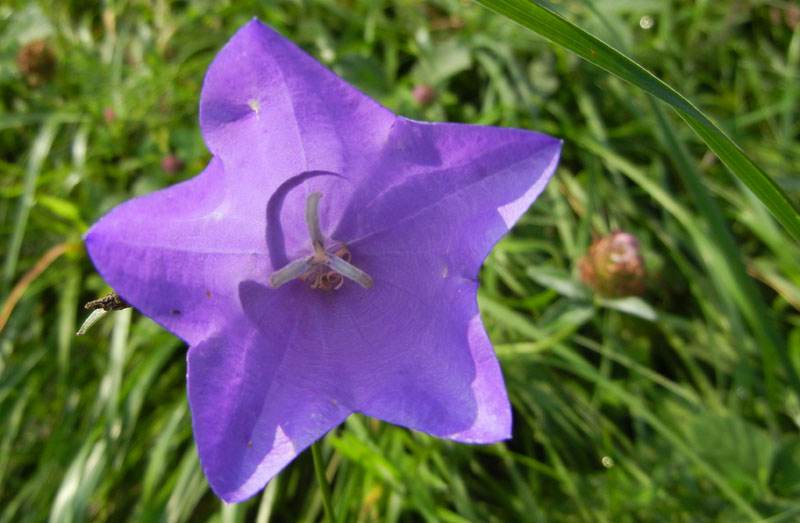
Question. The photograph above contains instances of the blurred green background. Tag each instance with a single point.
(675, 405)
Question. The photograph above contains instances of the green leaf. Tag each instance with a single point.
(560, 31)
(61, 208)
(632, 305)
(785, 477)
(741, 451)
(558, 280)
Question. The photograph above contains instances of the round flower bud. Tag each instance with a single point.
(171, 164)
(423, 94)
(613, 266)
(37, 62)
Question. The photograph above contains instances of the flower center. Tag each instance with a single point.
(329, 264)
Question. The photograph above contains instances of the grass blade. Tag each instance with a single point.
(748, 297)
(560, 31)
(39, 151)
(579, 366)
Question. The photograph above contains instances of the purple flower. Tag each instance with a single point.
(323, 263)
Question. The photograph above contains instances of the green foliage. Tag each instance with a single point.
(680, 405)
(560, 31)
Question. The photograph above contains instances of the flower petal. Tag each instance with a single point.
(260, 392)
(452, 187)
(267, 104)
(412, 350)
(179, 254)
(422, 230)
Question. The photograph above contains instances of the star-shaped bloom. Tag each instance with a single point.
(325, 262)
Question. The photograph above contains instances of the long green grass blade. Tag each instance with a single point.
(566, 34)
(39, 151)
(749, 300)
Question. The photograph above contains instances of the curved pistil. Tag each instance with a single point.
(323, 269)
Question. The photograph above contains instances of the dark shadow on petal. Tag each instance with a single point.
(274, 231)
(407, 145)
(471, 182)
(222, 417)
(230, 378)
(413, 144)
(221, 113)
(417, 402)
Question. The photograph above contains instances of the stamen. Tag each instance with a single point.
(293, 270)
(322, 269)
(312, 218)
(350, 272)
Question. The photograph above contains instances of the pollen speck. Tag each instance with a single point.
(444, 272)
(253, 103)
(208, 293)
(249, 443)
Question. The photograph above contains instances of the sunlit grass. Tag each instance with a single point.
(679, 406)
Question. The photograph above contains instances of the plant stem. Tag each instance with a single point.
(324, 487)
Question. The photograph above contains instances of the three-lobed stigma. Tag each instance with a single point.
(327, 267)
